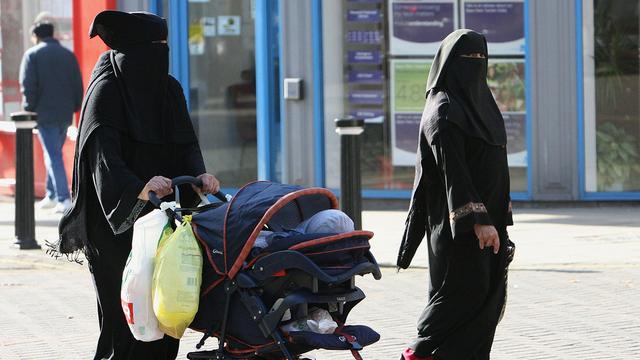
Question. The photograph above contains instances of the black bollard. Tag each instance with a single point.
(25, 221)
(349, 130)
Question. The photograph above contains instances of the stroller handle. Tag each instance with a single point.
(182, 180)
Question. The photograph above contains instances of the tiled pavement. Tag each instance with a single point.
(48, 312)
(576, 305)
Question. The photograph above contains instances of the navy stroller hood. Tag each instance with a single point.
(228, 232)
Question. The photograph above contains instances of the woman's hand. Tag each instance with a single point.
(210, 185)
(159, 185)
(487, 236)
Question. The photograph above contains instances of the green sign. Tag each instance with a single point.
(409, 81)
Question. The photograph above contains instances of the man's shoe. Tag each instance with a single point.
(46, 203)
(62, 207)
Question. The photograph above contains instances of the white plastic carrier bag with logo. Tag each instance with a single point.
(135, 293)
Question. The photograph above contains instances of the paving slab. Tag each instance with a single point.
(574, 291)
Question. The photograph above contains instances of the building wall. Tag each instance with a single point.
(87, 50)
(552, 61)
(297, 115)
(133, 5)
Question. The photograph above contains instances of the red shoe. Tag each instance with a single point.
(408, 354)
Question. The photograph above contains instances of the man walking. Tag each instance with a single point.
(51, 86)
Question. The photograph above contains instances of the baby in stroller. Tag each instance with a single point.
(279, 274)
(330, 221)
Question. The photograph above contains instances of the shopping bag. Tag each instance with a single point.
(135, 292)
(176, 280)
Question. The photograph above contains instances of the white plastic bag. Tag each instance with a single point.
(319, 321)
(135, 293)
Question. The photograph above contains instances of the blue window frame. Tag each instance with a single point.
(267, 85)
(583, 193)
(318, 92)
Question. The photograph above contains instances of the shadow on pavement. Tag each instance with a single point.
(566, 271)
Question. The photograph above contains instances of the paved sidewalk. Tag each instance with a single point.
(574, 291)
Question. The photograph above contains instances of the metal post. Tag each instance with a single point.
(25, 225)
(349, 130)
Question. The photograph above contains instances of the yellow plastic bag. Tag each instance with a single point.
(176, 280)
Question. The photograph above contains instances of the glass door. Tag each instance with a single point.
(222, 86)
(611, 106)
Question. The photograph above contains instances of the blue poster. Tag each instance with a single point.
(374, 97)
(364, 77)
(364, 57)
(501, 22)
(515, 125)
(407, 128)
(363, 15)
(366, 37)
(368, 114)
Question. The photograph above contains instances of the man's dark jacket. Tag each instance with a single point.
(51, 83)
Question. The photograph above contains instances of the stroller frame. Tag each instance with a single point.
(268, 321)
(249, 281)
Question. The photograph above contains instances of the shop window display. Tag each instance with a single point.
(612, 106)
(385, 49)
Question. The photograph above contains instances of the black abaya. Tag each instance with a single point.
(462, 180)
(134, 126)
(467, 288)
(112, 207)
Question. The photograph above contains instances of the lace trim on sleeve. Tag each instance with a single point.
(137, 209)
(467, 209)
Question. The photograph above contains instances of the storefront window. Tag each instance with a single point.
(385, 49)
(16, 18)
(222, 87)
(612, 105)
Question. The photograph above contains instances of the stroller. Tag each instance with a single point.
(247, 291)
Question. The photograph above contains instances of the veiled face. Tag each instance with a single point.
(474, 56)
(467, 65)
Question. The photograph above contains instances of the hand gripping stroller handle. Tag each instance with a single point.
(182, 180)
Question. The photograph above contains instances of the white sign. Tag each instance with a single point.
(208, 26)
(229, 25)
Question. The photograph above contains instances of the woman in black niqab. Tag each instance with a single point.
(135, 134)
(461, 202)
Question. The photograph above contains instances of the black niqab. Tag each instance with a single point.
(465, 81)
(134, 73)
(121, 30)
(140, 62)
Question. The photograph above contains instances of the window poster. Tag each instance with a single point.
(407, 89)
(505, 78)
(416, 27)
(500, 21)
